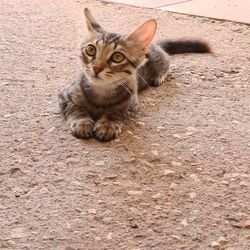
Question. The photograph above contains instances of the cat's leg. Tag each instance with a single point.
(155, 70)
(158, 80)
(107, 129)
(81, 124)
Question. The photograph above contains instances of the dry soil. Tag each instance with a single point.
(178, 176)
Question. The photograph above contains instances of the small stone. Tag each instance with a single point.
(176, 163)
(17, 194)
(157, 196)
(173, 185)
(235, 122)
(79, 210)
(243, 184)
(151, 243)
(111, 177)
(51, 130)
(128, 158)
(17, 233)
(72, 160)
(176, 237)
(155, 153)
(21, 115)
(141, 123)
(168, 172)
(92, 211)
(134, 192)
(192, 195)
(109, 236)
(184, 223)
(43, 190)
(222, 240)
(159, 128)
(215, 245)
(99, 163)
(176, 136)
(194, 177)
(247, 224)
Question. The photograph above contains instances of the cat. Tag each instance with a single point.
(114, 69)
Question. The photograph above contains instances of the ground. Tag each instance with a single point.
(178, 176)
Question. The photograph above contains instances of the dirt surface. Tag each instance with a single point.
(177, 178)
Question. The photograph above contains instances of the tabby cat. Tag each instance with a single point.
(114, 69)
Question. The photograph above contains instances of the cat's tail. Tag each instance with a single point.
(185, 46)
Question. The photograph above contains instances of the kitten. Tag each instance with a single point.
(114, 69)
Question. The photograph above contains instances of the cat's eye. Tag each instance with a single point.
(117, 57)
(90, 50)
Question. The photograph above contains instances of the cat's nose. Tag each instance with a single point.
(97, 70)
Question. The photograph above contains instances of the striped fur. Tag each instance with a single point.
(105, 92)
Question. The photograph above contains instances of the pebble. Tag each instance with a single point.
(72, 160)
(92, 211)
(184, 223)
(43, 190)
(141, 123)
(17, 233)
(176, 136)
(192, 195)
(109, 236)
(51, 130)
(168, 172)
(215, 245)
(128, 158)
(99, 163)
(155, 153)
(194, 177)
(235, 122)
(222, 240)
(157, 196)
(176, 237)
(17, 194)
(134, 192)
(150, 243)
(159, 128)
(110, 177)
(243, 184)
(173, 185)
(176, 163)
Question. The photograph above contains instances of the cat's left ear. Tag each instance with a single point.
(92, 25)
(144, 34)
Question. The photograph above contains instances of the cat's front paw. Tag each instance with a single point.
(106, 130)
(82, 128)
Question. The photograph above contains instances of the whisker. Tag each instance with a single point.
(142, 78)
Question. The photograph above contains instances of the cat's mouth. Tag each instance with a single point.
(94, 76)
(97, 77)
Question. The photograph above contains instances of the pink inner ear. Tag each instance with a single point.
(144, 34)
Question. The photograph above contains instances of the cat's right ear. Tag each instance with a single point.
(92, 25)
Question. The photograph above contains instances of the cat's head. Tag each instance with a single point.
(109, 57)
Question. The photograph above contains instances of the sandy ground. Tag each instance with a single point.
(177, 178)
